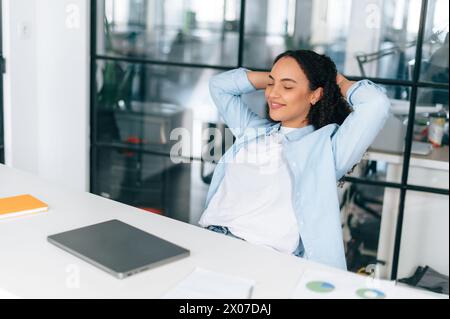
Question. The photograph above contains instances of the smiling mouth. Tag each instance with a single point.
(276, 106)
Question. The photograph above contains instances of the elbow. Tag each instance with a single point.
(220, 83)
(214, 82)
(216, 85)
(381, 108)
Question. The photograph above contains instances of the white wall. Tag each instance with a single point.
(47, 89)
(20, 81)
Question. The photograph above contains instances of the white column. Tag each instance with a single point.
(47, 89)
(63, 91)
(363, 34)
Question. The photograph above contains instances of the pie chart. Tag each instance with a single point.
(370, 294)
(320, 286)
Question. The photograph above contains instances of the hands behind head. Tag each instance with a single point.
(340, 78)
(344, 84)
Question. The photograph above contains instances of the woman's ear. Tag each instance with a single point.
(317, 95)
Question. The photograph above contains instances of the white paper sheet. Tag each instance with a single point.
(7, 295)
(207, 284)
(316, 284)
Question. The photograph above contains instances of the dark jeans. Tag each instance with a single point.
(224, 230)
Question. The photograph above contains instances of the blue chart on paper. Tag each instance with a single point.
(320, 286)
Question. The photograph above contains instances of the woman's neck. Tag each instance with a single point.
(295, 124)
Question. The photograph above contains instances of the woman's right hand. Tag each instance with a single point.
(259, 80)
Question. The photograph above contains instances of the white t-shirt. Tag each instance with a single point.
(254, 199)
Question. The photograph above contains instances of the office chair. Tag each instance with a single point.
(365, 220)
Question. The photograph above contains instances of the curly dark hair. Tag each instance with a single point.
(321, 72)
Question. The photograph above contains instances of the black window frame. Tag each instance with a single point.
(414, 84)
(2, 70)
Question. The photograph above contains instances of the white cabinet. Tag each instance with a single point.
(425, 233)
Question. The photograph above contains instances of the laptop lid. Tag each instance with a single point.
(118, 248)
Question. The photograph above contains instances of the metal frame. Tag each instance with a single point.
(2, 66)
(414, 84)
(93, 95)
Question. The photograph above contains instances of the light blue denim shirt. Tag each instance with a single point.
(317, 159)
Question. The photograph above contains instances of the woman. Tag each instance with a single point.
(276, 186)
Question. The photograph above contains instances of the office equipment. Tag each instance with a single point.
(207, 284)
(396, 51)
(421, 148)
(401, 107)
(20, 205)
(428, 278)
(118, 248)
(392, 139)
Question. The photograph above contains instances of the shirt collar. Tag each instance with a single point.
(294, 135)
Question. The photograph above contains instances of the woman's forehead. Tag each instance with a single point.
(287, 67)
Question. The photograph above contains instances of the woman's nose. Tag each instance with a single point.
(274, 92)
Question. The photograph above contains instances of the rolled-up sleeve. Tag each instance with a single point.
(226, 91)
(371, 108)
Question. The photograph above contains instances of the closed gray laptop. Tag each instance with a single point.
(118, 248)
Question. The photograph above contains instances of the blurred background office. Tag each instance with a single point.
(93, 90)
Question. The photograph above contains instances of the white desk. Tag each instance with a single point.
(30, 267)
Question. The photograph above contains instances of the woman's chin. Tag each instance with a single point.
(276, 117)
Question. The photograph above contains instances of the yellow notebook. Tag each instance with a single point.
(20, 205)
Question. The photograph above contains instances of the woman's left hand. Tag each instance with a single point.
(344, 84)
